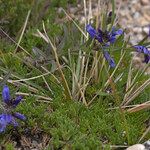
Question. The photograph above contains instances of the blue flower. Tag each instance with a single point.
(113, 34)
(93, 33)
(104, 37)
(145, 51)
(8, 116)
(109, 59)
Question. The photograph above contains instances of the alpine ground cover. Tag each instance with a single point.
(78, 84)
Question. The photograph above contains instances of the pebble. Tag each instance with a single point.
(136, 15)
(137, 29)
(145, 2)
(144, 146)
(136, 147)
(146, 30)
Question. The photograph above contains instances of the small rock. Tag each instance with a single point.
(136, 147)
(146, 30)
(136, 15)
(147, 143)
(137, 29)
(145, 2)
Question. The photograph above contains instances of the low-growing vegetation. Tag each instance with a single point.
(78, 84)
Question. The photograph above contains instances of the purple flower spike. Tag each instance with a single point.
(6, 94)
(145, 51)
(109, 59)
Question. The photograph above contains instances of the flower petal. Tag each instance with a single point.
(141, 49)
(5, 119)
(119, 32)
(19, 116)
(5, 94)
(3, 123)
(2, 127)
(109, 59)
(17, 101)
(115, 32)
(91, 31)
(112, 39)
(145, 51)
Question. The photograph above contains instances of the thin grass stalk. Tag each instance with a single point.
(91, 75)
(23, 30)
(139, 107)
(97, 67)
(16, 76)
(85, 14)
(75, 23)
(123, 107)
(80, 91)
(72, 65)
(117, 66)
(74, 87)
(102, 65)
(64, 82)
(37, 96)
(47, 84)
(144, 134)
(90, 14)
(98, 14)
(134, 82)
(76, 71)
(128, 82)
(32, 78)
(12, 40)
(82, 69)
(107, 83)
(85, 75)
(79, 67)
(138, 91)
(32, 89)
(50, 74)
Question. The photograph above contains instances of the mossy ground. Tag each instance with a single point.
(68, 123)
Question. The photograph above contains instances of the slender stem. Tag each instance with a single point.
(64, 82)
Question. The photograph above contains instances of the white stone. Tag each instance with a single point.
(146, 29)
(136, 147)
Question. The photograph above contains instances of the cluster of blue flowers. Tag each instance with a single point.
(106, 38)
(8, 117)
(145, 51)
